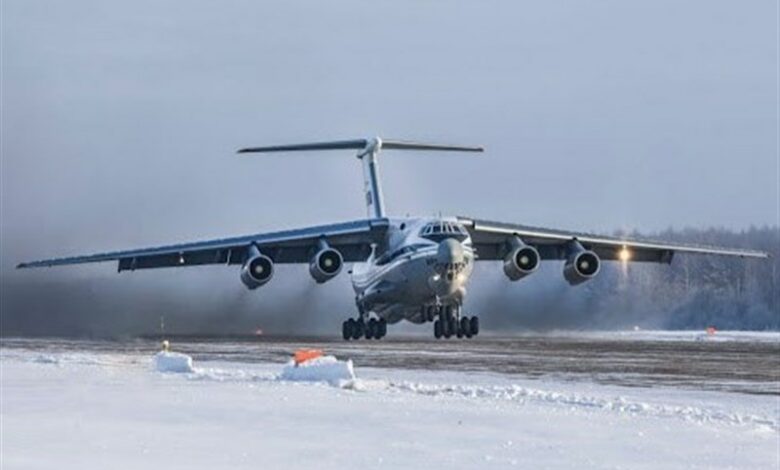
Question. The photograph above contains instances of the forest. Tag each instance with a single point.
(697, 291)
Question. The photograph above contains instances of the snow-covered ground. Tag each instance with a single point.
(64, 409)
(678, 335)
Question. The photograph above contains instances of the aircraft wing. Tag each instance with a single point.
(352, 239)
(490, 241)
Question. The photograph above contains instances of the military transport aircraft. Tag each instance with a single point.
(413, 268)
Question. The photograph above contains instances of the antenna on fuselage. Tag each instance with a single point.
(368, 151)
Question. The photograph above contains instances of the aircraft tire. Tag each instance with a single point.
(372, 331)
(437, 331)
(474, 325)
(465, 326)
(382, 328)
(446, 327)
(358, 328)
(346, 330)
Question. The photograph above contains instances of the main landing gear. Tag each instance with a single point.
(450, 323)
(371, 329)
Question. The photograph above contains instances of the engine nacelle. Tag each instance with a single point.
(581, 265)
(257, 270)
(521, 260)
(326, 264)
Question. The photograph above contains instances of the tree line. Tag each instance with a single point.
(697, 291)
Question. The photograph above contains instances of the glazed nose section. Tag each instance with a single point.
(450, 261)
(450, 252)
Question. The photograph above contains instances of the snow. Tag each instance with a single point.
(322, 369)
(681, 335)
(165, 361)
(98, 410)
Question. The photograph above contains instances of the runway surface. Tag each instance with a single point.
(727, 361)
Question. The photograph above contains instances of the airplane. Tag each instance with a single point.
(405, 268)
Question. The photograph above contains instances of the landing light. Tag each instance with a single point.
(624, 254)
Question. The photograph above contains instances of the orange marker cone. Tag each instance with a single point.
(303, 355)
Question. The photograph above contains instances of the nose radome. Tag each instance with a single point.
(450, 251)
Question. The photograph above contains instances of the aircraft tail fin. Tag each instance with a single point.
(368, 151)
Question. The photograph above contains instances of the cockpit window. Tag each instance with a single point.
(438, 231)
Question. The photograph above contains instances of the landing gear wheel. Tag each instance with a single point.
(381, 328)
(358, 327)
(465, 327)
(371, 329)
(474, 325)
(346, 330)
(351, 326)
(459, 330)
(437, 330)
(446, 327)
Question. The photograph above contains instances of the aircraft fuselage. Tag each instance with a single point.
(426, 263)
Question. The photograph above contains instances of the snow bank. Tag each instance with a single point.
(322, 369)
(676, 335)
(574, 401)
(172, 362)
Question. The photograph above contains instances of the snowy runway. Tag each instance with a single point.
(70, 409)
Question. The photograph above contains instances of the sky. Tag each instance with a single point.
(120, 121)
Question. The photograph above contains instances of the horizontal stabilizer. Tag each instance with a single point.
(402, 145)
(357, 144)
(360, 144)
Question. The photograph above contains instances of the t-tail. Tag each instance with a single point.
(368, 153)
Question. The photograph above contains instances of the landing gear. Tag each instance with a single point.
(450, 324)
(437, 329)
(356, 329)
(370, 328)
(474, 325)
(376, 329)
(346, 329)
(447, 328)
(465, 327)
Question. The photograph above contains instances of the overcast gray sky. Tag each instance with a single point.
(120, 119)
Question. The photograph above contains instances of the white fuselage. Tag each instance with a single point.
(425, 262)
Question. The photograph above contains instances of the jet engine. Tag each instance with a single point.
(581, 265)
(257, 270)
(521, 260)
(326, 264)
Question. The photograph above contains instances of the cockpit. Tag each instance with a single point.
(439, 230)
